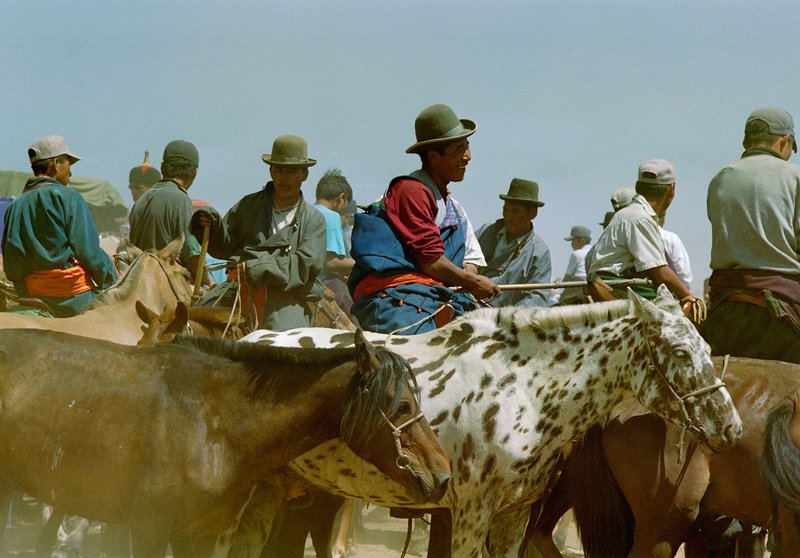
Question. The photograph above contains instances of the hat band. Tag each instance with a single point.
(454, 131)
(288, 159)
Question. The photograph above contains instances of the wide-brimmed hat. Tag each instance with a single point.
(289, 151)
(437, 124)
(49, 147)
(523, 191)
(579, 232)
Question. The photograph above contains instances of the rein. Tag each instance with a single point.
(166, 272)
(688, 424)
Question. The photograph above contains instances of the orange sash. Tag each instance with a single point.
(372, 283)
(58, 283)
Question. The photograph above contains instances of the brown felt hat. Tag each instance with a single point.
(289, 151)
(438, 124)
(523, 191)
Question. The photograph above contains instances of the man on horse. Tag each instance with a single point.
(631, 245)
(276, 238)
(410, 247)
(513, 250)
(51, 247)
(162, 213)
(754, 211)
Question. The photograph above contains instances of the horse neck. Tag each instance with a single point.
(145, 281)
(304, 419)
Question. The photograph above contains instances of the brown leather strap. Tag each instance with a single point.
(757, 300)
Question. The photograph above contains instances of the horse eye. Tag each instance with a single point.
(404, 408)
(681, 353)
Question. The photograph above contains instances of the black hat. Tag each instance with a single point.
(145, 175)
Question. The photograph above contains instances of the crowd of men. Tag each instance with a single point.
(413, 261)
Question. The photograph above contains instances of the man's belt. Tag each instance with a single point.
(756, 299)
(59, 283)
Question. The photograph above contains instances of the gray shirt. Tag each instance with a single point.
(753, 207)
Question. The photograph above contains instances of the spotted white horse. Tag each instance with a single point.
(507, 389)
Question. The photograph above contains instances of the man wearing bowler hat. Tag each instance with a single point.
(631, 245)
(51, 247)
(410, 247)
(275, 239)
(514, 252)
(754, 211)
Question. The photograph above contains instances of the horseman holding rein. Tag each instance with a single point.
(416, 243)
(631, 245)
(754, 211)
(276, 238)
(51, 247)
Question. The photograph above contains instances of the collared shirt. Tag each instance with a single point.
(631, 242)
(753, 205)
(677, 257)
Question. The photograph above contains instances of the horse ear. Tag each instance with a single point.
(364, 357)
(171, 251)
(144, 313)
(181, 319)
(643, 309)
(133, 251)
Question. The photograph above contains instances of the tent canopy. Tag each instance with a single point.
(105, 202)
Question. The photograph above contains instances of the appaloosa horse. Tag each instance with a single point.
(508, 388)
(172, 439)
(156, 280)
(648, 505)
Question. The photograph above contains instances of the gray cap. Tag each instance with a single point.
(779, 121)
(579, 232)
(181, 152)
(49, 147)
(657, 171)
(622, 197)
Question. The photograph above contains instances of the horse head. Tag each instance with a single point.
(383, 423)
(680, 382)
(162, 328)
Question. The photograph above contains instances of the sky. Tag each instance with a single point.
(571, 94)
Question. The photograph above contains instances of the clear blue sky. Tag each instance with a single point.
(573, 95)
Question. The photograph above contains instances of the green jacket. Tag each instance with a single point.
(288, 263)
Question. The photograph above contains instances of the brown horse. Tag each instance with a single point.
(171, 439)
(208, 321)
(156, 280)
(634, 493)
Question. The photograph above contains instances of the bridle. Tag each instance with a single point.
(403, 461)
(167, 273)
(688, 423)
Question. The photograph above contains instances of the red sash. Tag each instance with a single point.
(59, 283)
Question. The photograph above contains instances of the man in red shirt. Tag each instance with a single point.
(409, 248)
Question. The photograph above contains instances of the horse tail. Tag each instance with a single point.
(602, 515)
(780, 463)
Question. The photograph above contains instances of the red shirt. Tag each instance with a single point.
(411, 209)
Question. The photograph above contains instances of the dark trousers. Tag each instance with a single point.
(746, 330)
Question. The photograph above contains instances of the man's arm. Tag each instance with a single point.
(663, 274)
(338, 264)
(445, 271)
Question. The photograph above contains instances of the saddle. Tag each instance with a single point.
(600, 291)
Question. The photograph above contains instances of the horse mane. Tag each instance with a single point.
(551, 318)
(122, 288)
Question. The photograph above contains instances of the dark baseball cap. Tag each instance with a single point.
(181, 152)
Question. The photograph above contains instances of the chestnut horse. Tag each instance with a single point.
(635, 494)
(155, 279)
(172, 439)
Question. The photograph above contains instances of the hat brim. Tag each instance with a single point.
(469, 129)
(519, 200)
(267, 158)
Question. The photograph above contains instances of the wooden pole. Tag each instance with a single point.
(201, 264)
(565, 284)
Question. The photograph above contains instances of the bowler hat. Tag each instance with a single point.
(437, 124)
(523, 191)
(289, 151)
(579, 232)
(49, 147)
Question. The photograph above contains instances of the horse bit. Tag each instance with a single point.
(402, 461)
(688, 424)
